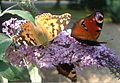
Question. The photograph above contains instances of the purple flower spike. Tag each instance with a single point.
(12, 27)
(22, 55)
(14, 56)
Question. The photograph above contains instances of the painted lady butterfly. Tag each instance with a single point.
(45, 29)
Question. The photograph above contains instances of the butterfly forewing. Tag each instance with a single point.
(63, 20)
(52, 25)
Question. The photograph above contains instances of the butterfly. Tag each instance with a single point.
(45, 29)
(86, 30)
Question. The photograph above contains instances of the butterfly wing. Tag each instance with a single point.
(68, 71)
(52, 25)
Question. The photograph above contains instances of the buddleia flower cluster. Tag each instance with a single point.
(11, 27)
(65, 49)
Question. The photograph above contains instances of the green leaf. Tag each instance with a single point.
(13, 73)
(5, 41)
(3, 66)
(6, 71)
(24, 14)
(20, 73)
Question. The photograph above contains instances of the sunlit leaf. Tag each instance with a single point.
(4, 80)
(24, 14)
(35, 76)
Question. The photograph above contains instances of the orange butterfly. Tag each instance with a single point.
(88, 28)
(45, 29)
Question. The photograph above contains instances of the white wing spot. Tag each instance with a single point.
(24, 42)
(62, 27)
(61, 20)
(67, 22)
(55, 32)
(18, 43)
(20, 38)
(32, 42)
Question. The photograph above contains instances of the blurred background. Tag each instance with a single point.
(79, 9)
